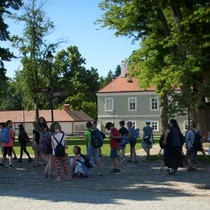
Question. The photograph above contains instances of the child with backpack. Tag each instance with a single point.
(22, 138)
(58, 140)
(132, 136)
(147, 138)
(193, 145)
(7, 138)
(80, 164)
(114, 136)
(122, 144)
(92, 138)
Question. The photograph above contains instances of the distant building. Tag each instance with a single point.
(72, 122)
(123, 99)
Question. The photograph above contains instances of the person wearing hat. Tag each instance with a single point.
(147, 138)
(132, 141)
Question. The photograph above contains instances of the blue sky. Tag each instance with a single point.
(74, 21)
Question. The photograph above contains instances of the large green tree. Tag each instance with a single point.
(5, 54)
(174, 51)
(33, 47)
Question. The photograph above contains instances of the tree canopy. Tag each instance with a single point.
(5, 54)
(174, 50)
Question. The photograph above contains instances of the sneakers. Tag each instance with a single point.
(100, 173)
(116, 171)
(67, 178)
(58, 179)
(19, 161)
(1, 165)
(113, 171)
(10, 166)
(14, 158)
(123, 160)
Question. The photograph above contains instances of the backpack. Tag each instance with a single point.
(89, 163)
(96, 138)
(197, 145)
(148, 138)
(162, 146)
(5, 135)
(124, 140)
(59, 149)
(135, 133)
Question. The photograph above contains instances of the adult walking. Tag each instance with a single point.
(173, 138)
(23, 139)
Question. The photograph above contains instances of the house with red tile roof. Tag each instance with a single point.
(72, 122)
(123, 99)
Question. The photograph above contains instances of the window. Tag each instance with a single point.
(109, 104)
(132, 104)
(155, 125)
(154, 103)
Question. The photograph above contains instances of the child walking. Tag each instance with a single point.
(59, 137)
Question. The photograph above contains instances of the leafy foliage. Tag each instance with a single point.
(175, 45)
(5, 54)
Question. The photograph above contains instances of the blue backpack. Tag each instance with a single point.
(135, 133)
(5, 135)
(124, 140)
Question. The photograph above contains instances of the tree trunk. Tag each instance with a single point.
(201, 115)
(36, 108)
(163, 112)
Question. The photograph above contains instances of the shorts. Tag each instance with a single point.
(7, 151)
(114, 153)
(132, 143)
(146, 145)
(191, 154)
(93, 152)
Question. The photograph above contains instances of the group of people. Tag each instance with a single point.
(119, 138)
(172, 145)
(47, 140)
(44, 143)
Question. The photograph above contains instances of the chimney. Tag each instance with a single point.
(66, 107)
(124, 66)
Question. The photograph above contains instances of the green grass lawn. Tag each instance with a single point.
(72, 141)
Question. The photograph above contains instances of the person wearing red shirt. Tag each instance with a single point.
(114, 136)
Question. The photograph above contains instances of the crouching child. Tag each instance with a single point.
(80, 164)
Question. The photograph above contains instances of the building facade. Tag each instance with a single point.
(122, 99)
